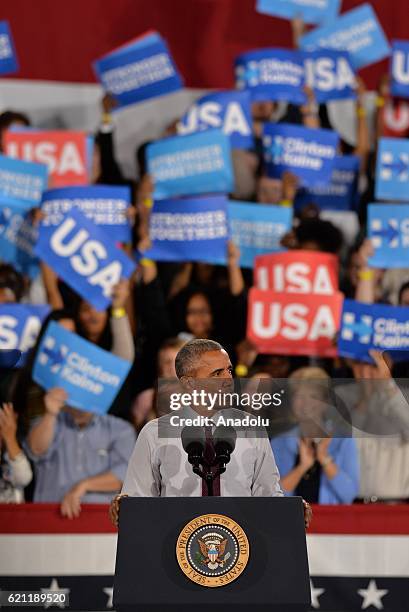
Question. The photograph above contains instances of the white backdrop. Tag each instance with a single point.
(77, 106)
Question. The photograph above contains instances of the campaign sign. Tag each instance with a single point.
(65, 153)
(388, 230)
(84, 256)
(192, 164)
(365, 327)
(8, 57)
(340, 193)
(272, 74)
(20, 325)
(18, 237)
(228, 110)
(293, 324)
(305, 152)
(310, 11)
(105, 205)
(192, 229)
(297, 271)
(357, 31)
(257, 228)
(91, 376)
(392, 169)
(22, 183)
(394, 117)
(399, 69)
(140, 70)
(330, 74)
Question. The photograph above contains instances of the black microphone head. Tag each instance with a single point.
(225, 438)
(193, 439)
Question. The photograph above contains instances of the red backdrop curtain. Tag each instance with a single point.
(59, 40)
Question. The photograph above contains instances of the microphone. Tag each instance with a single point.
(224, 438)
(193, 442)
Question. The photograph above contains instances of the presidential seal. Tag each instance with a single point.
(212, 550)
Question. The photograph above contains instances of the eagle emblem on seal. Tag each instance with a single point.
(212, 550)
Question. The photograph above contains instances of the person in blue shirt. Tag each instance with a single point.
(79, 457)
(312, 463)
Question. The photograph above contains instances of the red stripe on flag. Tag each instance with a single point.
(357, 519)
(361, 519)
(46, 518)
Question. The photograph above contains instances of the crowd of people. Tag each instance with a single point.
(51, 452)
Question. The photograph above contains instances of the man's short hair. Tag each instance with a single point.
(188, 356)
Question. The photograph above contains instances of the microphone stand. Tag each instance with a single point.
(207, 476)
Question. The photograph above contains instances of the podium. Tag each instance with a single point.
(213, 553)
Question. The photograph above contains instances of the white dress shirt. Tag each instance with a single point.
(159, 465)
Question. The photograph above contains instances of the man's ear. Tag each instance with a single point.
(187, 382)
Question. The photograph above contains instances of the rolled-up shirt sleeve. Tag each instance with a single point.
(266, 481)
(55, 442)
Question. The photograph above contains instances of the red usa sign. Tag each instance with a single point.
(64, 152)
(297, 272)
(395, 119)
(287, 324)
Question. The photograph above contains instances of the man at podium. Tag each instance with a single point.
(161, 466)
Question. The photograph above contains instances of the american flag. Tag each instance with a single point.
(358, 556)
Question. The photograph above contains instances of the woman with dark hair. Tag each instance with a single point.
(15, 469)
(11, 284)
(193, 312)
(109, 329)
(10, 118)
(190, 310)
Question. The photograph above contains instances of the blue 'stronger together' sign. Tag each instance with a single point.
(22, 182)
(372, 326)
(8, 58)
(228, 110)
(357, 31)
(258, 228)
(392, 169)
(105, 205)
(311, 11)
(340, 193)
(399, 68)
(272, 74)
(139, 70)
(91, 376)
(84, 256)
(189, 230)
(192, 164)
(306, 152)
(20, 325)
(18, 237)
(388, 229)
